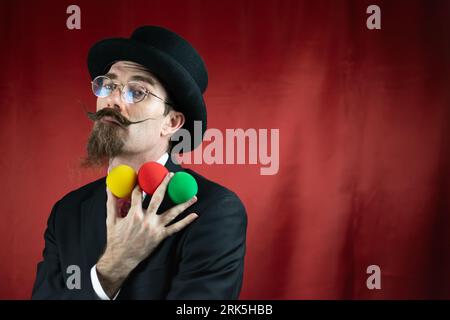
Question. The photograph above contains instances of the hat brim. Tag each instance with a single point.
(182, 88)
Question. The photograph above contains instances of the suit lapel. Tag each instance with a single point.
(173, 167)
(93, 224)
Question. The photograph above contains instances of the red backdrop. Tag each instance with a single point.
(364, 134)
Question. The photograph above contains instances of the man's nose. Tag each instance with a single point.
(114, 100)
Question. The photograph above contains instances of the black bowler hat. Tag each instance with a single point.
(167, 55)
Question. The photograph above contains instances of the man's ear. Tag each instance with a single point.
(173, 121)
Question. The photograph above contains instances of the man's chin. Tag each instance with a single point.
(104, 143)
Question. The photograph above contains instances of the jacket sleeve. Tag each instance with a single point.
(212, 253)
(50, 282)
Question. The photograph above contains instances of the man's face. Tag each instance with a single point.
(108, 139)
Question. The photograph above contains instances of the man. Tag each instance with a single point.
(148, 87)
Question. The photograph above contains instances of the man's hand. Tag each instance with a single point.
(133, 238)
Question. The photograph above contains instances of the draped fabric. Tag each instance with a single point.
(363, 119)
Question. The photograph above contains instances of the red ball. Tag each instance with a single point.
(150, 176)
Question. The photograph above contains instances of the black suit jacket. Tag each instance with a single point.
(203, 261)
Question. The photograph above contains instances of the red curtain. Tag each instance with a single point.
(363, 117)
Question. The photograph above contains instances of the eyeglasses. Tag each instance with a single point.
(132, 92)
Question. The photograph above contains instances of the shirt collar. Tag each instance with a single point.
(163, 159)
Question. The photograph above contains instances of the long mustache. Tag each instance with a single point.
(113, 113)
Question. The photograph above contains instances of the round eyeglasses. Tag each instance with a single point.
(132, 92)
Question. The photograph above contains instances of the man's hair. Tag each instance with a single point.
(167, 109)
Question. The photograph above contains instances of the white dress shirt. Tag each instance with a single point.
(94, 277)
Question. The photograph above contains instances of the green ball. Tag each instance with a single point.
(182, 187)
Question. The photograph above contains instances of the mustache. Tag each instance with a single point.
(113, 113)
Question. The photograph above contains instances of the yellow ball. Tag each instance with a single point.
(121, 181)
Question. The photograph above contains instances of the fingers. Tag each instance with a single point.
(170, 230)
(158, 196)
(136, 197)
(111, 208)
(172, 213)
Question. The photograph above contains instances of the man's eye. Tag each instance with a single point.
(108, 86)
(137, 93)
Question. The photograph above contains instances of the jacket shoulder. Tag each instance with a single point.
(211, 189)
(215, 193)
(79, 195)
